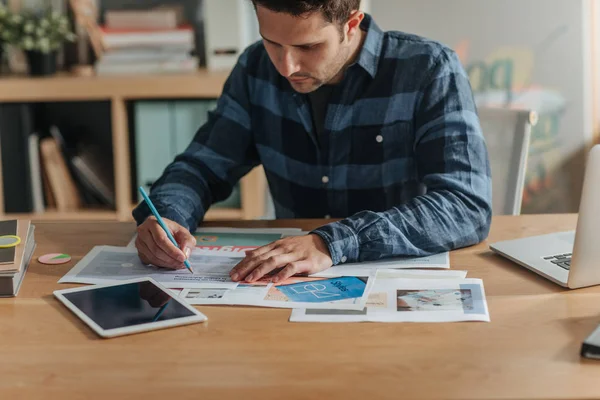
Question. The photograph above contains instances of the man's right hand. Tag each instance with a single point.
(154, 246)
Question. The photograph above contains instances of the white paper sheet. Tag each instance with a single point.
(106, 264)
(411, 300)
(292, 293)
(419, 274)
(436, 261)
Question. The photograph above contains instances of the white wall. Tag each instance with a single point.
(524, 53)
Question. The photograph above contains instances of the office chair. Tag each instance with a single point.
(507, 133)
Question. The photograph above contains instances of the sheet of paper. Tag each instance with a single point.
(341, 292)
(236, 239)
(243, 294)
(436, 261)
(411, 300)
(105, 264)
(419, 274)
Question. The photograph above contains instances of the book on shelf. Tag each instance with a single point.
(166, 17)
(187, 65)
(16, 124)
(35, 169)
(61, 183)
(92, 178)
(146, 54)
(12, 274)
(131, 38)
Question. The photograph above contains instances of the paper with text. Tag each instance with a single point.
(106, 264)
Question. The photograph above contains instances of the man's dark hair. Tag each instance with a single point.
(336, 11)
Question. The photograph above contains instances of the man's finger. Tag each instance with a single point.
(270, 264)
(187, 242)
(263, 250)
(157, 253)
(291, 269)
(149, 257)
(162, 242)
(248, 264)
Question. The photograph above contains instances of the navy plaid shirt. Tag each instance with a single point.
(402, 158)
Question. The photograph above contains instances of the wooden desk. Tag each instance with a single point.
(529, 350)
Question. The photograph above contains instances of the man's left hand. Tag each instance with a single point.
(294, 255)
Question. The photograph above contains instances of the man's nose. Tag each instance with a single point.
(289, 64)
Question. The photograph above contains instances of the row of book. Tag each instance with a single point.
(150, 41)
(40, 172)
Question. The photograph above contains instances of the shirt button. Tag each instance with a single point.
(344, 259)
(325, 179)
(379, 138)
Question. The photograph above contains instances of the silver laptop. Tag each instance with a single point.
(570, 259)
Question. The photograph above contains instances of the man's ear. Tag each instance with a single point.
(353, 24)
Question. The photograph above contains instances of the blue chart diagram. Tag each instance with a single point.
(347, 287)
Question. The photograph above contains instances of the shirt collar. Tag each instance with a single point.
(371, 50)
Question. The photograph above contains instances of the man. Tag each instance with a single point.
(349, 122)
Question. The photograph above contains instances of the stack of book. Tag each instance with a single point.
(14, 261)
(151, 41)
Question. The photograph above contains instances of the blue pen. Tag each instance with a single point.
(162, 224)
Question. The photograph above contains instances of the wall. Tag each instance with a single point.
(521, 53)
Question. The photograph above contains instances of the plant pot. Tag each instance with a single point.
(41, 64)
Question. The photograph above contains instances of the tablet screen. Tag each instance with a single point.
(127, 305)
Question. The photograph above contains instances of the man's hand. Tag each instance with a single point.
(154, 247)
(295, 255)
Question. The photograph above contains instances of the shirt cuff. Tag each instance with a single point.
(142, 212)
(341, 241)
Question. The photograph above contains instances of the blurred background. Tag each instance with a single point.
(98, 96)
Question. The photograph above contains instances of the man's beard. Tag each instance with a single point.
(333, 70)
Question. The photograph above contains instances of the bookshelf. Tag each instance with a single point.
(119, 90)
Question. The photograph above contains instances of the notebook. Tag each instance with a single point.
(12, 275)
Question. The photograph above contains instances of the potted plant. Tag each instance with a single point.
(8, 32)
(40, 35)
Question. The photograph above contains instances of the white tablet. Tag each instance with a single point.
(127, 307)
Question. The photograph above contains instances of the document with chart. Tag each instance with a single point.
(338, 292)
(411, 300)
(106, 264)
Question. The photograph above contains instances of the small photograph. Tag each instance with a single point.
(206, 293)
(435, 300)
(332, 289)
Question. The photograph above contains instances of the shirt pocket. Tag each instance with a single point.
(379, 144)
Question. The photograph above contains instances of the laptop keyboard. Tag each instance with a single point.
(562, 260)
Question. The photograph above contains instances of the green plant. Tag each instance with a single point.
(44, 31)
(9, 25)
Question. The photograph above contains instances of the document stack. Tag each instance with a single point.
(152, 41)
(14, 261)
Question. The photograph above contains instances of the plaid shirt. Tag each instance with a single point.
(402, 158)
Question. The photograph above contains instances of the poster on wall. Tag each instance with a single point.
(531, 54)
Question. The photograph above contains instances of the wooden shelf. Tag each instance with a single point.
(118, 90)
(82, 215)
(65, 87)
(98, 215)
(224, 214)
